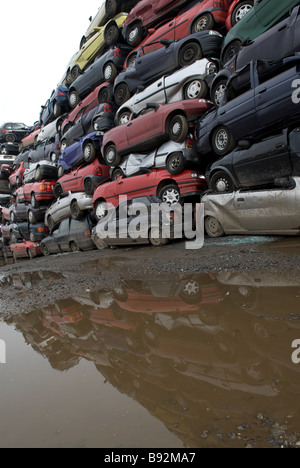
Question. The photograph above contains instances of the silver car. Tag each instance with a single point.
(173, 156)
(68, 205)
(191, 82)
(258, 212)
(40, 170)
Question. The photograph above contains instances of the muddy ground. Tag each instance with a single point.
(87, 271)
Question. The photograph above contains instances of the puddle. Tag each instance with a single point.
(170, 362)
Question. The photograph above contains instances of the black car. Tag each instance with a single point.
(12, 132)
(85, 124)
(175, 54)
(55, 106)
(27, 231)
(103, 69)
(9, 149)
(286, 36)
(269, 162)
(46, 150)
(253, 112)
(69, 236)
(4, 182)
(23, 156)
(26, 212)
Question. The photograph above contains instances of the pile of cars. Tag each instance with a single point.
(167, 101)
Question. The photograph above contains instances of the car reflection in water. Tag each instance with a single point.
(202, 353)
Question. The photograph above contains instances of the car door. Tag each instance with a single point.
(72, 181)
(268, 210)
(52, 242)
(132, 187)
(267, 12)
(263, 162)
(63, 235)
(142, 129)
(150, 66)
(153, 93)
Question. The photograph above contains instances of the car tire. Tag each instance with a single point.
(74, 99)
(170, 194)
(104, 96)
(111, 8)
(178, 129)
(240, 11)
(135, 34)
(67, 127)
(131, 60)
(231, 51)
(58, 190)
(61, 172)
(89, 186)
(53, 157)
(45, 250)
(12, 217)
(50, 223)
(117, 173)
(218, 91)
(191, 292)
(30, 254)
(32, 237)
(223, 141)
(75, 72)
(74, 247)
(38, 175)
(76, 212)
(101, 244)
(10, 138)
(122, 94)
(89, 152)
(56, 110)
(204, 22)
(123, 117)
(176, 163)
(63, 145)
(100, 210)
(31, 217)
(157, 241)
(221, 182)
(196, 89)
(111, 35)
(213, 227)
(111, 155)
(189, 54)
(110, 72)
(34, 202)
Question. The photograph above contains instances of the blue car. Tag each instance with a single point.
(55, 106)
(83, 151)
(250, 112)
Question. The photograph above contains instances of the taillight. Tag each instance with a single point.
(97, 171)
(43, 229)
(45, 188)
(58, 147)
(62, 94)
(3, 131)
(107, 108)
(189, 143)
(117, 53)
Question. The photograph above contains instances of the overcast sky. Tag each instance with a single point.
(38, 39)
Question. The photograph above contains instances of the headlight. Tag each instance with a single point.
(96, 127)
(197, 176)
(211, 68)
(215, 33)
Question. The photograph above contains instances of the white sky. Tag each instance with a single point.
(38, 39)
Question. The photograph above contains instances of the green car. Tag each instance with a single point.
(264, 15)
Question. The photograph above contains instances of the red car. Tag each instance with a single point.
(25, 249)
(155, 124)
(170, 189)
(83, 179)
(192, 19)
(100, 95)
(16, 177)
(36, 192)
(238, 9)
(31, 139)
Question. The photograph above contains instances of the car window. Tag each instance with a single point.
(18, 126)
(64, 226)
(77, 225)
(239, 84)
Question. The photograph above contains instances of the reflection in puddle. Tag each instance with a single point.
(206, 356)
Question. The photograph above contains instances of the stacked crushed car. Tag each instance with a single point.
(164, 100)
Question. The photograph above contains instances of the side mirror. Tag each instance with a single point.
(151, 105)
(120, 180)
(244, 144)
(166, 42)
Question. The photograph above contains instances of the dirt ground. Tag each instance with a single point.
(87, 271)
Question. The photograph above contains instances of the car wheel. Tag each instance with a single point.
(34, 202)
(111, 156)
(157, 241)
(231, 51)
(89, 186)
(32, 237)
(12, 217)
(101, 244)
(67, 127)
(213, 227)
(74, 247)
(122, 94)
(56, 110)
(124, 117)
(222, 183)
(31, 217)
(63, 145)
(191, 292)
(117, 173)
(45, 250)
(76, 212)
(111, 35)
(178, 129)
(218, 92)
(38, 175)
(53, 157)
(170, 194)
(73, 99)
(131, 60)
(223, 141)
(101, 210)
(50, 223)
(135, 34)
(203, 23)
(104, 96)
(240, 11)
(89, 153)
(176, 163)
(189, 54)
(61, 171)
(110, 72)
(196, 89)
(111, 7)
(58, 191)
(75, 72)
